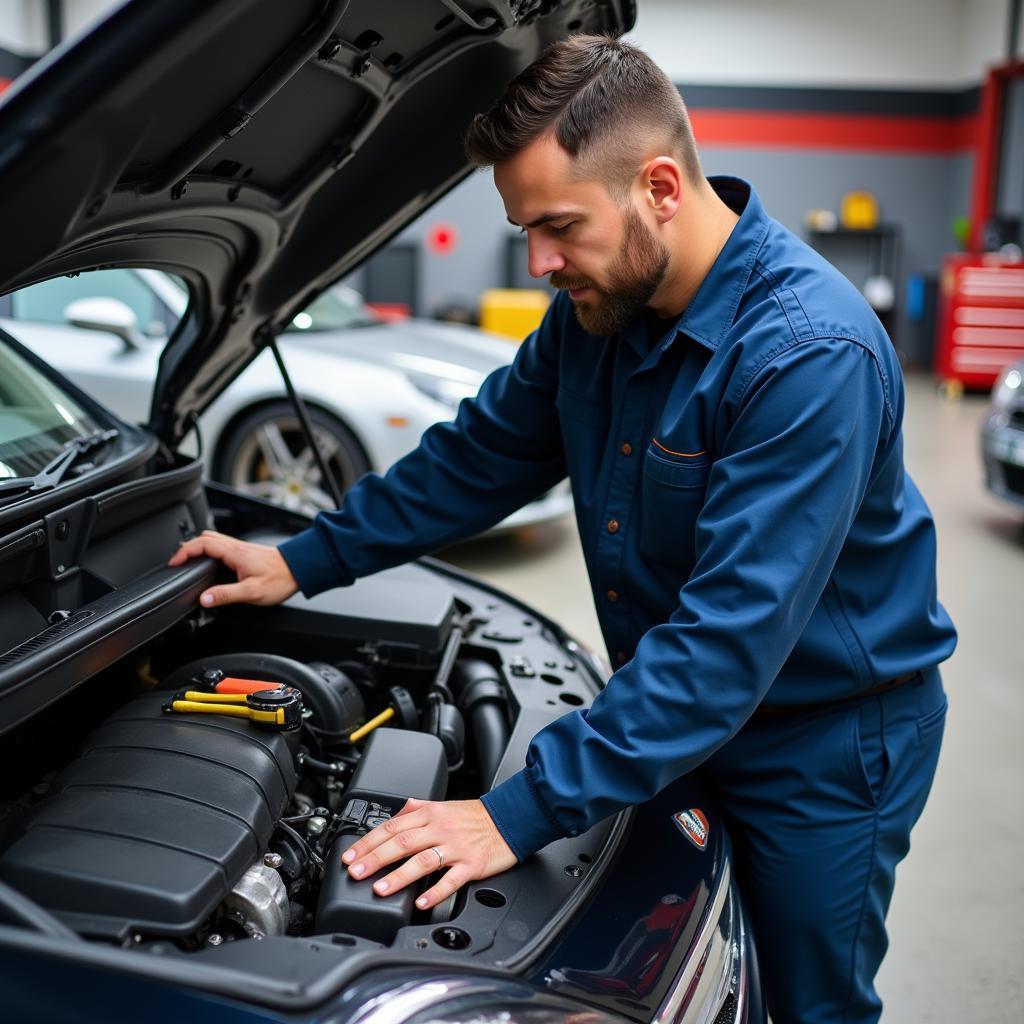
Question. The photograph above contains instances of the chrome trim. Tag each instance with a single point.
(741, 981)
(710, 946)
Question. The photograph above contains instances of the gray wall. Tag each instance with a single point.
(1010, 202)
(477, 260)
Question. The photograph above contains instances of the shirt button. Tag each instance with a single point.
(620, 657)
(613, 526)
(627, 448)
(613, 596)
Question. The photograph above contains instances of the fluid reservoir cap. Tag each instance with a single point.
(276, 698)
(284, 698)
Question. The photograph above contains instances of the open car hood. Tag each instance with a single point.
(259, 149)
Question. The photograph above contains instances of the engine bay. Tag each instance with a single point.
(198, 791)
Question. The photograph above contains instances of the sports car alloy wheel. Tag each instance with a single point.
(266, 455)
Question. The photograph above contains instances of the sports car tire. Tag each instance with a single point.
(266, 455)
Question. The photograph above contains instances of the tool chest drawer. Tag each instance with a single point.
(981, 319)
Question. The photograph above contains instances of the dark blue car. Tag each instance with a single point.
(179, 785)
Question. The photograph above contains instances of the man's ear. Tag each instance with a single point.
(662, 182)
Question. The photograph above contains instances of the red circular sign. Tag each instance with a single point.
(441, 239)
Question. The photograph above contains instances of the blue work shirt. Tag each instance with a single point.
(749, 529)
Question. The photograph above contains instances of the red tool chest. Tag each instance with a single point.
(981, 319)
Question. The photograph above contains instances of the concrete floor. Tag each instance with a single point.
(956, 938)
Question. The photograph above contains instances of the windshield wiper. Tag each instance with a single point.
(57, 468)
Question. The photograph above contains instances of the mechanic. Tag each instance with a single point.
(728, 410)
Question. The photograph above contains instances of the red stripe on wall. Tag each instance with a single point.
(765, 128)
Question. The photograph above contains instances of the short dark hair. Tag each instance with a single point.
(601, 98)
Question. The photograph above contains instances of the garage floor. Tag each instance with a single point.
(956, 933)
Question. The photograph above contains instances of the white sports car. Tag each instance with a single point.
(371, 387)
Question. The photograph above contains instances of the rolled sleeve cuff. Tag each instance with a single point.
(314, 563)
(521, 816)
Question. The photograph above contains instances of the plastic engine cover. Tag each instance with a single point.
(156, 821)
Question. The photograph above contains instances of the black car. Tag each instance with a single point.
(178, 784)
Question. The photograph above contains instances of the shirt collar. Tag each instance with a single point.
(713, 309)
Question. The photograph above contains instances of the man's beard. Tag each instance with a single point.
(634, 276)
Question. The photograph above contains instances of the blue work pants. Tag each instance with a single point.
(820, 805)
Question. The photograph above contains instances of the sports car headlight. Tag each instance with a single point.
(1007, 388)
(441, 389)
(476, 1000)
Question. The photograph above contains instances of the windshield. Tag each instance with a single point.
(36, 417)
(336, 309)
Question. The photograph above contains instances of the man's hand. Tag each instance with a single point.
(470, 845)
(263, 575)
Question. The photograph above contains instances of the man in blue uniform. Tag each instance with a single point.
(729, 412)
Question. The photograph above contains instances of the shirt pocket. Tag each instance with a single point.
(672, 491)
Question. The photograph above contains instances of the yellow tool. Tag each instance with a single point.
(279, 708)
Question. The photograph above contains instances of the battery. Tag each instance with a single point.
(395, 766)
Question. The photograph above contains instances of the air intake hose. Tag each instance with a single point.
(480, 694)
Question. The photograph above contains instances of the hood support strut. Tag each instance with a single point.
(307, 426)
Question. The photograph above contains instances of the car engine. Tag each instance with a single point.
(199, 791)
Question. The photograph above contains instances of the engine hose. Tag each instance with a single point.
(314, 764)
(333, 712)
(490, 734)
(480, 693)
(444, 670)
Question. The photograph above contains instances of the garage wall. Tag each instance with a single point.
(884, 43)
(983, 28)
(23, 27)
(79, 14)
(792, 42)
(23, 36)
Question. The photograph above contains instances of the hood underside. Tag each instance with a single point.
(259, 149)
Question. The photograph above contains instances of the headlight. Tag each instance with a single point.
(712, 983)
(469, 1000)
(1007, 388)
(441, 389)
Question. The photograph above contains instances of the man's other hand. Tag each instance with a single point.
(457, 837)
(263, 575)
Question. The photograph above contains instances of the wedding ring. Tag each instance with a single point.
(440, 857)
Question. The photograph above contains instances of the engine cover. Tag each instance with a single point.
(149, 830)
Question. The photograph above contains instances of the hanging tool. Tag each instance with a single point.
(279, 708)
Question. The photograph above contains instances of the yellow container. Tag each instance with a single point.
(513, 312)
(859, 211)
